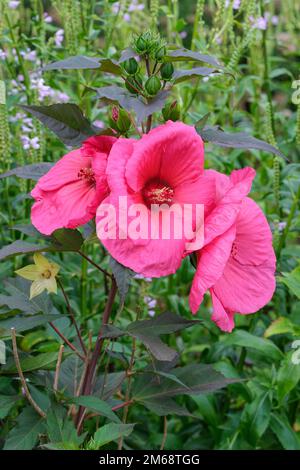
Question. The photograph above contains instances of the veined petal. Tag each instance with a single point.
(29, 272)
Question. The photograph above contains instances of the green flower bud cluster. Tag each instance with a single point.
(150, 43)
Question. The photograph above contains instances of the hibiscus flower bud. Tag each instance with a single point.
(171, 111)
(131, 66)
(134, 83)
(160, 53)
(167, 71)
(153, 85)
(120, 120)
(141, 44)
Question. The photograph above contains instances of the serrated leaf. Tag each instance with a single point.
(18, 298)
(96, 404)
(111, 432)
(123, 277)
(236, 140)
(29, 172)
(183, 75)
(66, 120)
(25, 434)
(74, 63)
(148, 331)
(20, 247)
(187, 55)
(133, 103)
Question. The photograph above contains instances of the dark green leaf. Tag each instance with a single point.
(182, 75)
(133, 103)
(256, 417)
(236, 140)
(29, 172)
(187, 55)
(148, 331)
(202, 121)
(20, 247)
(111, 432)
(123, 277)
(163, 406)
(73, 63)
(25, 323)
(25, 434)
(18, 298)
(65, 120)
(288, 376)
(6, 403)
(61, 430)
(66, 239)
(41, 361)
(97, 405)
(292, 281)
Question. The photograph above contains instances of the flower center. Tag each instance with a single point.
(157, 192)
(88, 175)
(46, 274)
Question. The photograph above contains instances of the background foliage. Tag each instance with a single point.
(259, 409)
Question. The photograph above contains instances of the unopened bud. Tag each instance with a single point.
(153, 85)
(171, 111)
(167, 71)
(131, 66)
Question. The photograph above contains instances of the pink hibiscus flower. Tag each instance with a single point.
(163, 167)
(69, 194)
(238, 265)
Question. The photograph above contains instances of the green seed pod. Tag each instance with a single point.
(171, 111)
(160, 53)
(167, 71)
(134, 83)
(131, 66)
(120, 120)
(141, 44)
(153, 85)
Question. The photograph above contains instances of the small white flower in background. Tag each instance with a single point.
(99, 124)
(28, 142)
(236, 4)
(47, 18)
(150, 304)
(259, 23)
(29, 55)
(60, 96)
(281, 226)
(3, 54)
(183, 34)
(274, 20)
(13, 4)
(140, 276)
(59, 37)
(43, 274)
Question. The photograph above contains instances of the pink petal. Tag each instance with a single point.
(224, 318)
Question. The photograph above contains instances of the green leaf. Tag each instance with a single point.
(111, 432)
(242, 338)
(29, 172)
(185, 55)
(183, 75)
(66, 239)
(164, 406)
(236, 140)
(282, 325)
(42, 361)
(25, 434)
(61, 430)
(133, 103)
(202, 121)
(97, 405)
(65, 120)
(288, 376)
(148, 331)
(128, 53)
(123, 277)
(256, 417)
(292, 281)
(6, 403)
(284, 432)
(74, 63)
